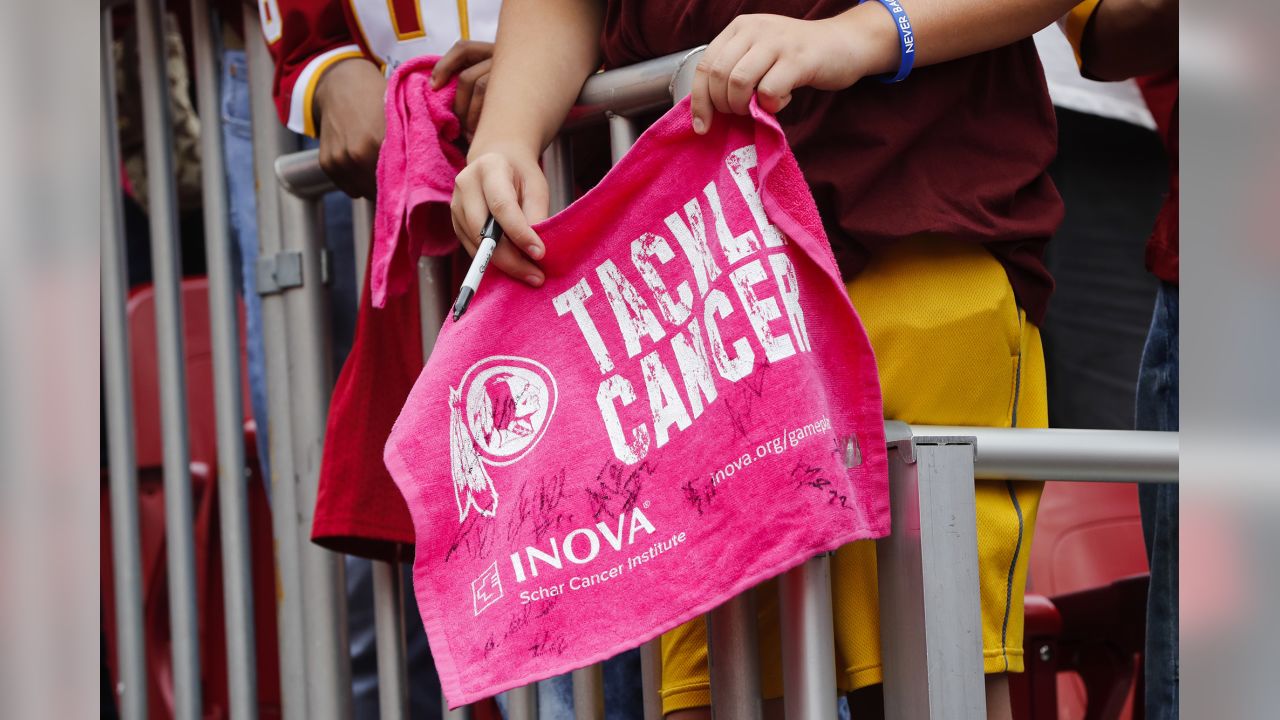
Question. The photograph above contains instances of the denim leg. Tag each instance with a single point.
(339, 240)
(1157, 409)
(622, 692)
(362, 637)
(555, 698)
(424, 683)
(237, 148)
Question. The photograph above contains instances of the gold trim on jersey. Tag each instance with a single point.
(308, 115)
(1074, 24)
(464, 20)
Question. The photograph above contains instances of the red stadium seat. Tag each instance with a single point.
(1085, 605)
(201, 429)
(202, 441)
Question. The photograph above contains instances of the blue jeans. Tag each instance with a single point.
(622, 692)
(424, 684)
(1157, 409)
(237, 149)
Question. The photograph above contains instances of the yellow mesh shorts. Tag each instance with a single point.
(953, 348)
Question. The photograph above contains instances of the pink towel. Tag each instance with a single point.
(687, 407)
(416, 169)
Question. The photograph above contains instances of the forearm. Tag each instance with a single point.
(545, 50)
(949, 29)
(1128, 38)
(338, 81)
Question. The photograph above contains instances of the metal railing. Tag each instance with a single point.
(930, 631)
(118, 401)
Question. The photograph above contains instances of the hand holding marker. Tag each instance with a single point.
(488, 241)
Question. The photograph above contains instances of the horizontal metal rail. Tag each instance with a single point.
(648, 85)
(1127, 456)
(300, 174)
(624, 91)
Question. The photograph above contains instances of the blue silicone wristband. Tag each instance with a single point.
(906, 40)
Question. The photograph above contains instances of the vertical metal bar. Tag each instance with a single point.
(522, 703)
(271, 140)
(651, 678)
(328, 655)
(166, 270)
(433, 303)
(388, 619)
(433, 299)
(233, 502)
(930, 626)
(731, 626)
(123, 479)
(682, 79)
(733, 652)
(588, 693)
(557, 163)
(808, 641)
(362, 230)
(901, 589)
(622, 135)
(388, 590)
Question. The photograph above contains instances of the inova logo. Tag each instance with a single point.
(581, 546)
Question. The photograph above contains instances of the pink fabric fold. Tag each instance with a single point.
(417, 166)
(688, 406)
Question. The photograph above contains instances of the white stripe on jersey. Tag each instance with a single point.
(298, 102)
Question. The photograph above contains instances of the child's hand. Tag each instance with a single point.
(504, 181)
(470, 61)
(771, 55)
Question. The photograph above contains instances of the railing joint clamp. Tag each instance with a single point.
(940, 440)
(279, 272)
(326, 265)
(283, 271)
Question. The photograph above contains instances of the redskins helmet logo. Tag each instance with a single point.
(498, 414)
